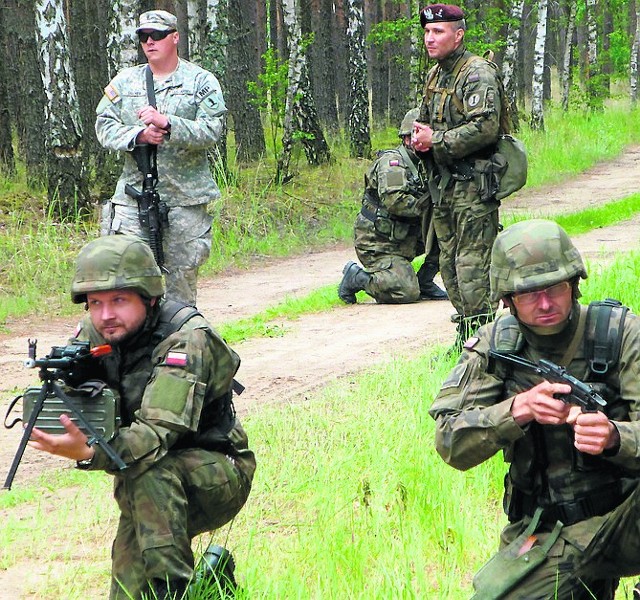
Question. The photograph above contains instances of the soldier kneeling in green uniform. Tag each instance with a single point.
(571, 492)
(188, 466)
(392, 228)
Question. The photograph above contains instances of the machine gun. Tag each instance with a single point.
(62, 364)
(153, 213)
(581, 393)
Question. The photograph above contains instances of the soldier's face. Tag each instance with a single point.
(441, 39)
(160, 49)
(117, 314)
(548, 307)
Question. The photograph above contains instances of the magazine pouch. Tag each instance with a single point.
(512, 564)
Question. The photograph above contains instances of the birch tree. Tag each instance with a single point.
(66, 184)
(122, 41)
(593, 83)
(510, 60)
(359, 135)
(565, 73)
(633, 63)
(301, 119)
(537, 86)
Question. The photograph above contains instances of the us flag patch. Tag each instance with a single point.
(176, 359)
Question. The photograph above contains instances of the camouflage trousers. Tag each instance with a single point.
(466, 229)
(587, 560)
(187, 493)
(388, 261)
(186, 243)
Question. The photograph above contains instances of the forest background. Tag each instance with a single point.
(295, 74)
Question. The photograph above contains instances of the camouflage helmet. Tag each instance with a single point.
(116, 262)
(406, 127)
(532, 255)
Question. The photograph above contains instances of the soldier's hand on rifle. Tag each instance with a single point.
(593, 432)
(72, 444)
(538, 404)
(150, 116)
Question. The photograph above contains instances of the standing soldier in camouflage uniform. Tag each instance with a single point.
(187, 121)
(391, 229)
(189, 469)
(573, 476)
(459, 124)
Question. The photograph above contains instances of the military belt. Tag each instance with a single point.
(595, 504)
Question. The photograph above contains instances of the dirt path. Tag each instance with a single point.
(318, 348)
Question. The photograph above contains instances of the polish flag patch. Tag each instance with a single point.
(176, 359)
(394, 163)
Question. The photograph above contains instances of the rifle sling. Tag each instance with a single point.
(151, 92)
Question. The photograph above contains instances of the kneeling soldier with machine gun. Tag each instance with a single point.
(188, 465)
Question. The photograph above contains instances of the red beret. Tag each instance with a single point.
(435, 13)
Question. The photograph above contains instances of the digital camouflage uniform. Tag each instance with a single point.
(192, 99)
(189, 469)
(389, 230)
(465, 214)
(596, 497)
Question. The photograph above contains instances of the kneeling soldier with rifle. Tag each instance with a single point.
(187, 466)
(554, 385)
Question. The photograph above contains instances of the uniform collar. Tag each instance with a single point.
(449, 62)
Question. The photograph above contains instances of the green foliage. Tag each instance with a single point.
(270, 93)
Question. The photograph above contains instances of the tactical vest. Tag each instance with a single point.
(601, 334)
(443, 112)
(217, 417)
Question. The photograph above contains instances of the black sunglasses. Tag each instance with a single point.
(156, 36)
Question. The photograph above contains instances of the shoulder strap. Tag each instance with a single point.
(603, 335)
(151, 92)
(410, 164)
(506, 335)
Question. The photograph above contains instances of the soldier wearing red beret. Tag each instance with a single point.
(459, 126)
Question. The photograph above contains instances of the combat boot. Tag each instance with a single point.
(428, 289)
(354, 279)
(431, 291)
(217, 567)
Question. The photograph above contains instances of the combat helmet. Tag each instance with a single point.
(532, 255)
(116, 262)
(406, 127)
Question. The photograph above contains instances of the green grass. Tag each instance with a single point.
(256, 218)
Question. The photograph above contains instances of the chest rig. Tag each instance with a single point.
(598, 488)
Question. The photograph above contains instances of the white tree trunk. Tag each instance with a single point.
(358, 120)
(510, 59)
(537, 87)
(633, 63)
(122, 41)
(63, 125)
(565, 74)
(417, 44)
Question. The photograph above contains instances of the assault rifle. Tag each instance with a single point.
(153, 213)
(63, 363)
(581, 393)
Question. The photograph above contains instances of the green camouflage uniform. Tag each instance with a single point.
(192, 99)
(389, 232)
(599, 493)
(465, 215)
(189, 469)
